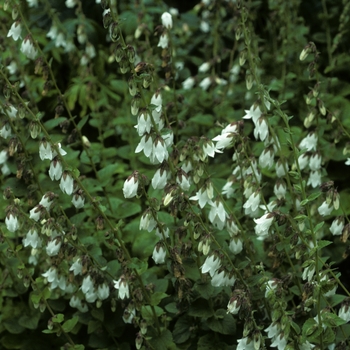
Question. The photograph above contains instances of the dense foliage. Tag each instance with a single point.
(174, 175)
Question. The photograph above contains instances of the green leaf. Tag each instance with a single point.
(98, 314)
(172, 308)
(113, 267)
(332, 320)
(124, 208)
(13, 326)
(163, 341)
(30, 321)
(313, 196)
(182, 328)
(105, 175)
(312, 330)
(93, 325)
(52, 123)
(147, 313)
(157, 297)
(208, 342)
(318, 226)
(203, 119)
(200, 308)
(222, 322)
(295, 327)
(205, 289)
(328, 336)
(139, 265)
(70, 324)
(58, 318)
(82, 122)
(10, 341)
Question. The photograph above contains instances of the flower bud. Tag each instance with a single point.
(104, 4)
(321, 107)
(107, 18)
(124, 65)
(147, 80)
(135, 104)
(114, 31)
(310, 47)
(119, 53)
(238, 33)
(249, 80)
(138, 340)
(167, 20)
(7, 91)
(14, 13)
(242, 57)
(132, 86)
(143, 327)
(130, 52)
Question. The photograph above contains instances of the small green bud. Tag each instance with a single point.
(114, 31)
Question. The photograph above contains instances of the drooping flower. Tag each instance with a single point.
(315, 161)
(188, 83)
(236, 246)
(103, 291)
(253, 201)
(78, 200)
(32, 239)
(344, 312)
(183, 180)
(303, 161)
(218, 279)
(325, 208)
(144, 123)
(55, 171)
(337, 226)
(261, 129)
(67, 183)
(163, 41)
(15, 31)
(53, 247)
(315, 179)
(263, 225)
(123, 288)
(45, 150)
(309, 142)
(245, 344)
(145, 145)
(254, 113)
(35, 213)
(167, 20)
(203, 196)
(131, 185)
(204, 67)
(70, 3)
(28, 48)
(77, 268)
(147, 221)
(5, 131)
(78, 304)
(159, 254)
(159, 179)
(233, 306)
(205, 83)
(281, 168)
(11, 222)
(217, 215)
(211, 264)
(159, 149)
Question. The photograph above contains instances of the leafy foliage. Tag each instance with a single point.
(174, 178)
